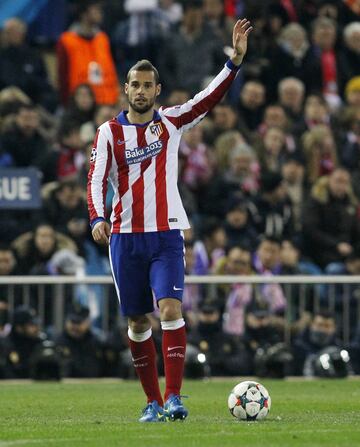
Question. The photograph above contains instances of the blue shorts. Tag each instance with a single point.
(144, 264)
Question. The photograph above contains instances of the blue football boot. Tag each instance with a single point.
(153, 413)
(174, 408)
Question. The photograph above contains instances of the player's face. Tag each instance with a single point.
(142, 90)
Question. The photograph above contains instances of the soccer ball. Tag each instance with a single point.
(249, 401)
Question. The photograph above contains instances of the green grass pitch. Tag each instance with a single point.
(104, 414)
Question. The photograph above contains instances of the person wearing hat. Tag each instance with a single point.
(18, 346)
(80, 347)
(272, 211)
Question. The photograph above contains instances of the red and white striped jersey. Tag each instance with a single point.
(141, 162)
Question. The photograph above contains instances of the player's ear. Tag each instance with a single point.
(158, 89)
(126, 88)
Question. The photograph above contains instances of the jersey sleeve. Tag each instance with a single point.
(193, 111)
(100, 163)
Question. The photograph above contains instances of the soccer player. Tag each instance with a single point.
(138, 151)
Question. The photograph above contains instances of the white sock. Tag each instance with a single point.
(139, 336)
(172, 325)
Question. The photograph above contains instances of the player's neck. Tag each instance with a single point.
(139, 118)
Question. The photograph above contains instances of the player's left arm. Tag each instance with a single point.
(189, 114)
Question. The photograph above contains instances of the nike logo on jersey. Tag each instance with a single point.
(121, 141)
(177, 288)
(139, 358)
(174, 347)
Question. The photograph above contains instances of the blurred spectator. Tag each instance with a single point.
(142, 35)
(9, 267)
(266, 259)
(272, 211)
(316, 113)
(275, 116)
(272, 150)
(68, 160)
(210, 248)
(324, 34)
(195, 160)
(22, 66)
(214, 15)
(238, 227)
(177, 96)
(65, 209)
(172, 10)
(301, 296)
(224, 145)
(225, 118)
(80, 347)
(320, 334)
(342, 293)
(223, 352)
(185, 48)
(5, 325)
(23, 140)
(293, 173)
(82, 104)
(320, 152)
(11, 98)
(291, 93)
(194, 294)
(292, 58)
(293, 262)
(267, 262)
(251, 105)
(84, 56)
(235, 296)
(88, 129)
(349, 57)
(350, 139)
(240, 178)
(21, 343)
(243, 171)
(263, 328)
(35, 249)
(331, 227)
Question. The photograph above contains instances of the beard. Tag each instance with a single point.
(143, 107)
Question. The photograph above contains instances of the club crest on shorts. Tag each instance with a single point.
(156, 129)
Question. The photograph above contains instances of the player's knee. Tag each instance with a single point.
(170, 310)
(139, 324)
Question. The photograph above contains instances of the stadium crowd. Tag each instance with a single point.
(269, 179)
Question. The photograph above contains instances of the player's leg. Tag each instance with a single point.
(143, 353)
(130, 273)
(173, 344)
(167, 281)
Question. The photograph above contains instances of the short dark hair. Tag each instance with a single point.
(144, 65)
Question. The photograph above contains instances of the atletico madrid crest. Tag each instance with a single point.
(156, 129)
